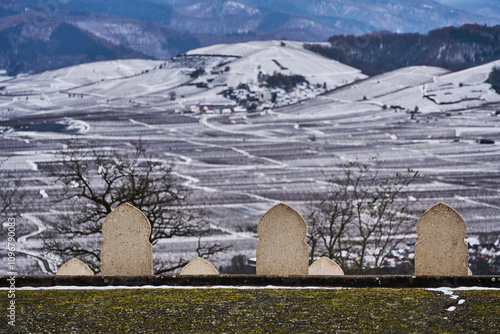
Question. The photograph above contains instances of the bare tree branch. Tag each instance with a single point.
(96, 181)
(12, 197)
(362, 213)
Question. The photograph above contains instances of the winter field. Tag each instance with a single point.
(444, 125)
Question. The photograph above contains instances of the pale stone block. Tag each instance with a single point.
(75, 267)
(441, 248)
(325, 267)
(126, 249)
(199, 266)
(282, 249)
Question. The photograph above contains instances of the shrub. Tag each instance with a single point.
(494, 79)
(286, 82)
(197, 73)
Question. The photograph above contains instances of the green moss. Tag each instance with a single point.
(257, 311)
(480, 312)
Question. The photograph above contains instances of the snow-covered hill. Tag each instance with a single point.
(238, 74)
(285, 57)
(424, 89)
(173, 84)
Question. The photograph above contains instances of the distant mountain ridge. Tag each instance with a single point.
(65, 45)
(487, 8)
(321, 18)
(33, 39)
(161, 29)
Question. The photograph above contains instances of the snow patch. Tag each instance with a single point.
(449, 291)
(34, 166)
(76, 126)
(35, 221)
(111, 287)
(472, 241)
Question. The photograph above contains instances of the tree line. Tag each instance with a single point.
(453, 48)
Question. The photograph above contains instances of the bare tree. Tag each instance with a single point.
(11, 194)
(362, 213)
(96, 181)
(329, 219)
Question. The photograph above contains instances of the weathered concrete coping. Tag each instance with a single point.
(254, 280)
